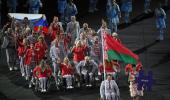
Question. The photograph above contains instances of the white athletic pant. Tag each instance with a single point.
(90, 76)
(110, 96)
(43, 82)
(21, 64)
(55, 68)
(27, 70)
(68, 79)
(11, 57)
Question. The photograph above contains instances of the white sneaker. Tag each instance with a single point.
(15, 68)
(68, 87)
(90, 85)
(26, 78)
(45, 90)
(71, 87)
(23, 74)
(32, 82)
(78, 84)
(42, 90)
(30, 85)
(10, 68)
(96, 78)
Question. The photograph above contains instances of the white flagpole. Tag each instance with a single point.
(103, 32)
(102, 36)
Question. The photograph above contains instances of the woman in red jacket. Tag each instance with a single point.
(67, 72)
(111, 67)
(55, 28)
(41, 48)
(79, 52)
(29, 60)
(42, 72)
(22, 48)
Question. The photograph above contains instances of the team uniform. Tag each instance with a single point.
(12, 5)
(102, 31)
(92, 5)
(54, 54)
(108, 7)
(160, 22)
(61, 9)
(134, 90)
(147, 4)
(32, 39)
(40, 48)
(73, 29)
(96, 51)
(42, 75)
(79, 53)
(109, 90)
(127, 9)
(113, 16)
(30, 60)
(66, 40)
(87, 69)
(129, 69)
(34, 6)
(111, 68)
(71, 10)
(55, 30)
(21, 53)
(67, 72)
(133, 87)
(9, 44)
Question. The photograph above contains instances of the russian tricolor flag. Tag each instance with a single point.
(42, 25)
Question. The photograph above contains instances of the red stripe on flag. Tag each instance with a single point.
(111, 44)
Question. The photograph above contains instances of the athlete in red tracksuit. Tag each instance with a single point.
(79, 52)
(55, 28)
(22, 47)
(110, 68)
(42, 72)
(29, 60)
(67, 72)
(40, 48)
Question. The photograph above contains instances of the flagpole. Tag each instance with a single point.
(103, 53)
(102, 36)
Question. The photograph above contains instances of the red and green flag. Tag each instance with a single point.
(117, 51)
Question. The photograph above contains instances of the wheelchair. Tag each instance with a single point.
(85, 81)
(63, 82)
(38, 88)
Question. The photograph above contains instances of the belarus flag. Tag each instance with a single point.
(117, 51)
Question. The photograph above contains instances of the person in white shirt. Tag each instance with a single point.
(87, 69)
(73, 29)
(54, 54)
(109, 89)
